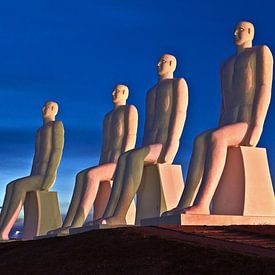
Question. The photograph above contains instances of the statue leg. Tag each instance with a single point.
(219, 141)
(194, 174)
(76, 198)
(6, 203)
(132, 179)
(94, 176)
(20, 188)
(117, 185)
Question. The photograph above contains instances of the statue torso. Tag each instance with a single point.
(115, 127)
(45, 147)
(238, 76)
(161, 98)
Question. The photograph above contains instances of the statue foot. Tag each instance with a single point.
(3, 237)
(196, 209)
(98, 221)
(57, 231)
(64, 231)
(54, 232)
(114, 221)
(174, 211)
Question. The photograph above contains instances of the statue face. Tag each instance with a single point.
(165, 65)
(243, 33)
(49, 109)
(120, 94)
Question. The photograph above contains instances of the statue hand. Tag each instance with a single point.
(164, 158)
(45, 189)
(169, 151)
(48, 182)
(253, 135)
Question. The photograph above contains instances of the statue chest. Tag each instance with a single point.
(164, 99)
(46, 138)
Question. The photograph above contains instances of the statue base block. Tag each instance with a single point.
(245, 187)
(41, 214)
(209, 220)
(160, 190)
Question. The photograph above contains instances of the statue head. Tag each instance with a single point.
(120, 94)
(167, 65)
(243, 33)
(49, 110)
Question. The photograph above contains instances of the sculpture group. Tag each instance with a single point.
(246, 80)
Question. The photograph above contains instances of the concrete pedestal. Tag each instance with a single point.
(244, 195)
(41, 214)
(245, 187)
(210, 220)
(160, 190)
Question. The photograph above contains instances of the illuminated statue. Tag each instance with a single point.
(166, 106)
(246, 80)
(48, 151)
(119, 135)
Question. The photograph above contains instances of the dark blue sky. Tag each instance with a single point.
(75, 51)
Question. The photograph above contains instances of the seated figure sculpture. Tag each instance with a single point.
(246, 80)
(48, 151)
(166, 105)
(119, 135)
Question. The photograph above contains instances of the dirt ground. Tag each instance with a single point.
(146, 250)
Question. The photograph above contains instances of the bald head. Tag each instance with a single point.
(120, 94)
(167, 65)
(244, 33)
(50, 110)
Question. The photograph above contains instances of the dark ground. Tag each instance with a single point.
(147, 250)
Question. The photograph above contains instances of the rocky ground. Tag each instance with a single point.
(147, 250)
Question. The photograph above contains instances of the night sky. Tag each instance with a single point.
(74, 52)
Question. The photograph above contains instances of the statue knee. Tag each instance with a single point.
(91, 176)
(216, 137)
(79, 176)
(200, 141)
(18, 188)
(10, 186)
(133, 157)
(123, 157)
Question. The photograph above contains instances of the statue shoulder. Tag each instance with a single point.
(180, 87)
(132, 110)
(180, 81)
(58, 126)
(262, 48)
(264, 51)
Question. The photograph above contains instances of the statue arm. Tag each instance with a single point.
(221, 115)
(36, 153)
(131, 129)
(264, 71)
(180, 102)
(222, 103)
(150, 109)
(105, 143)
(55, 157)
